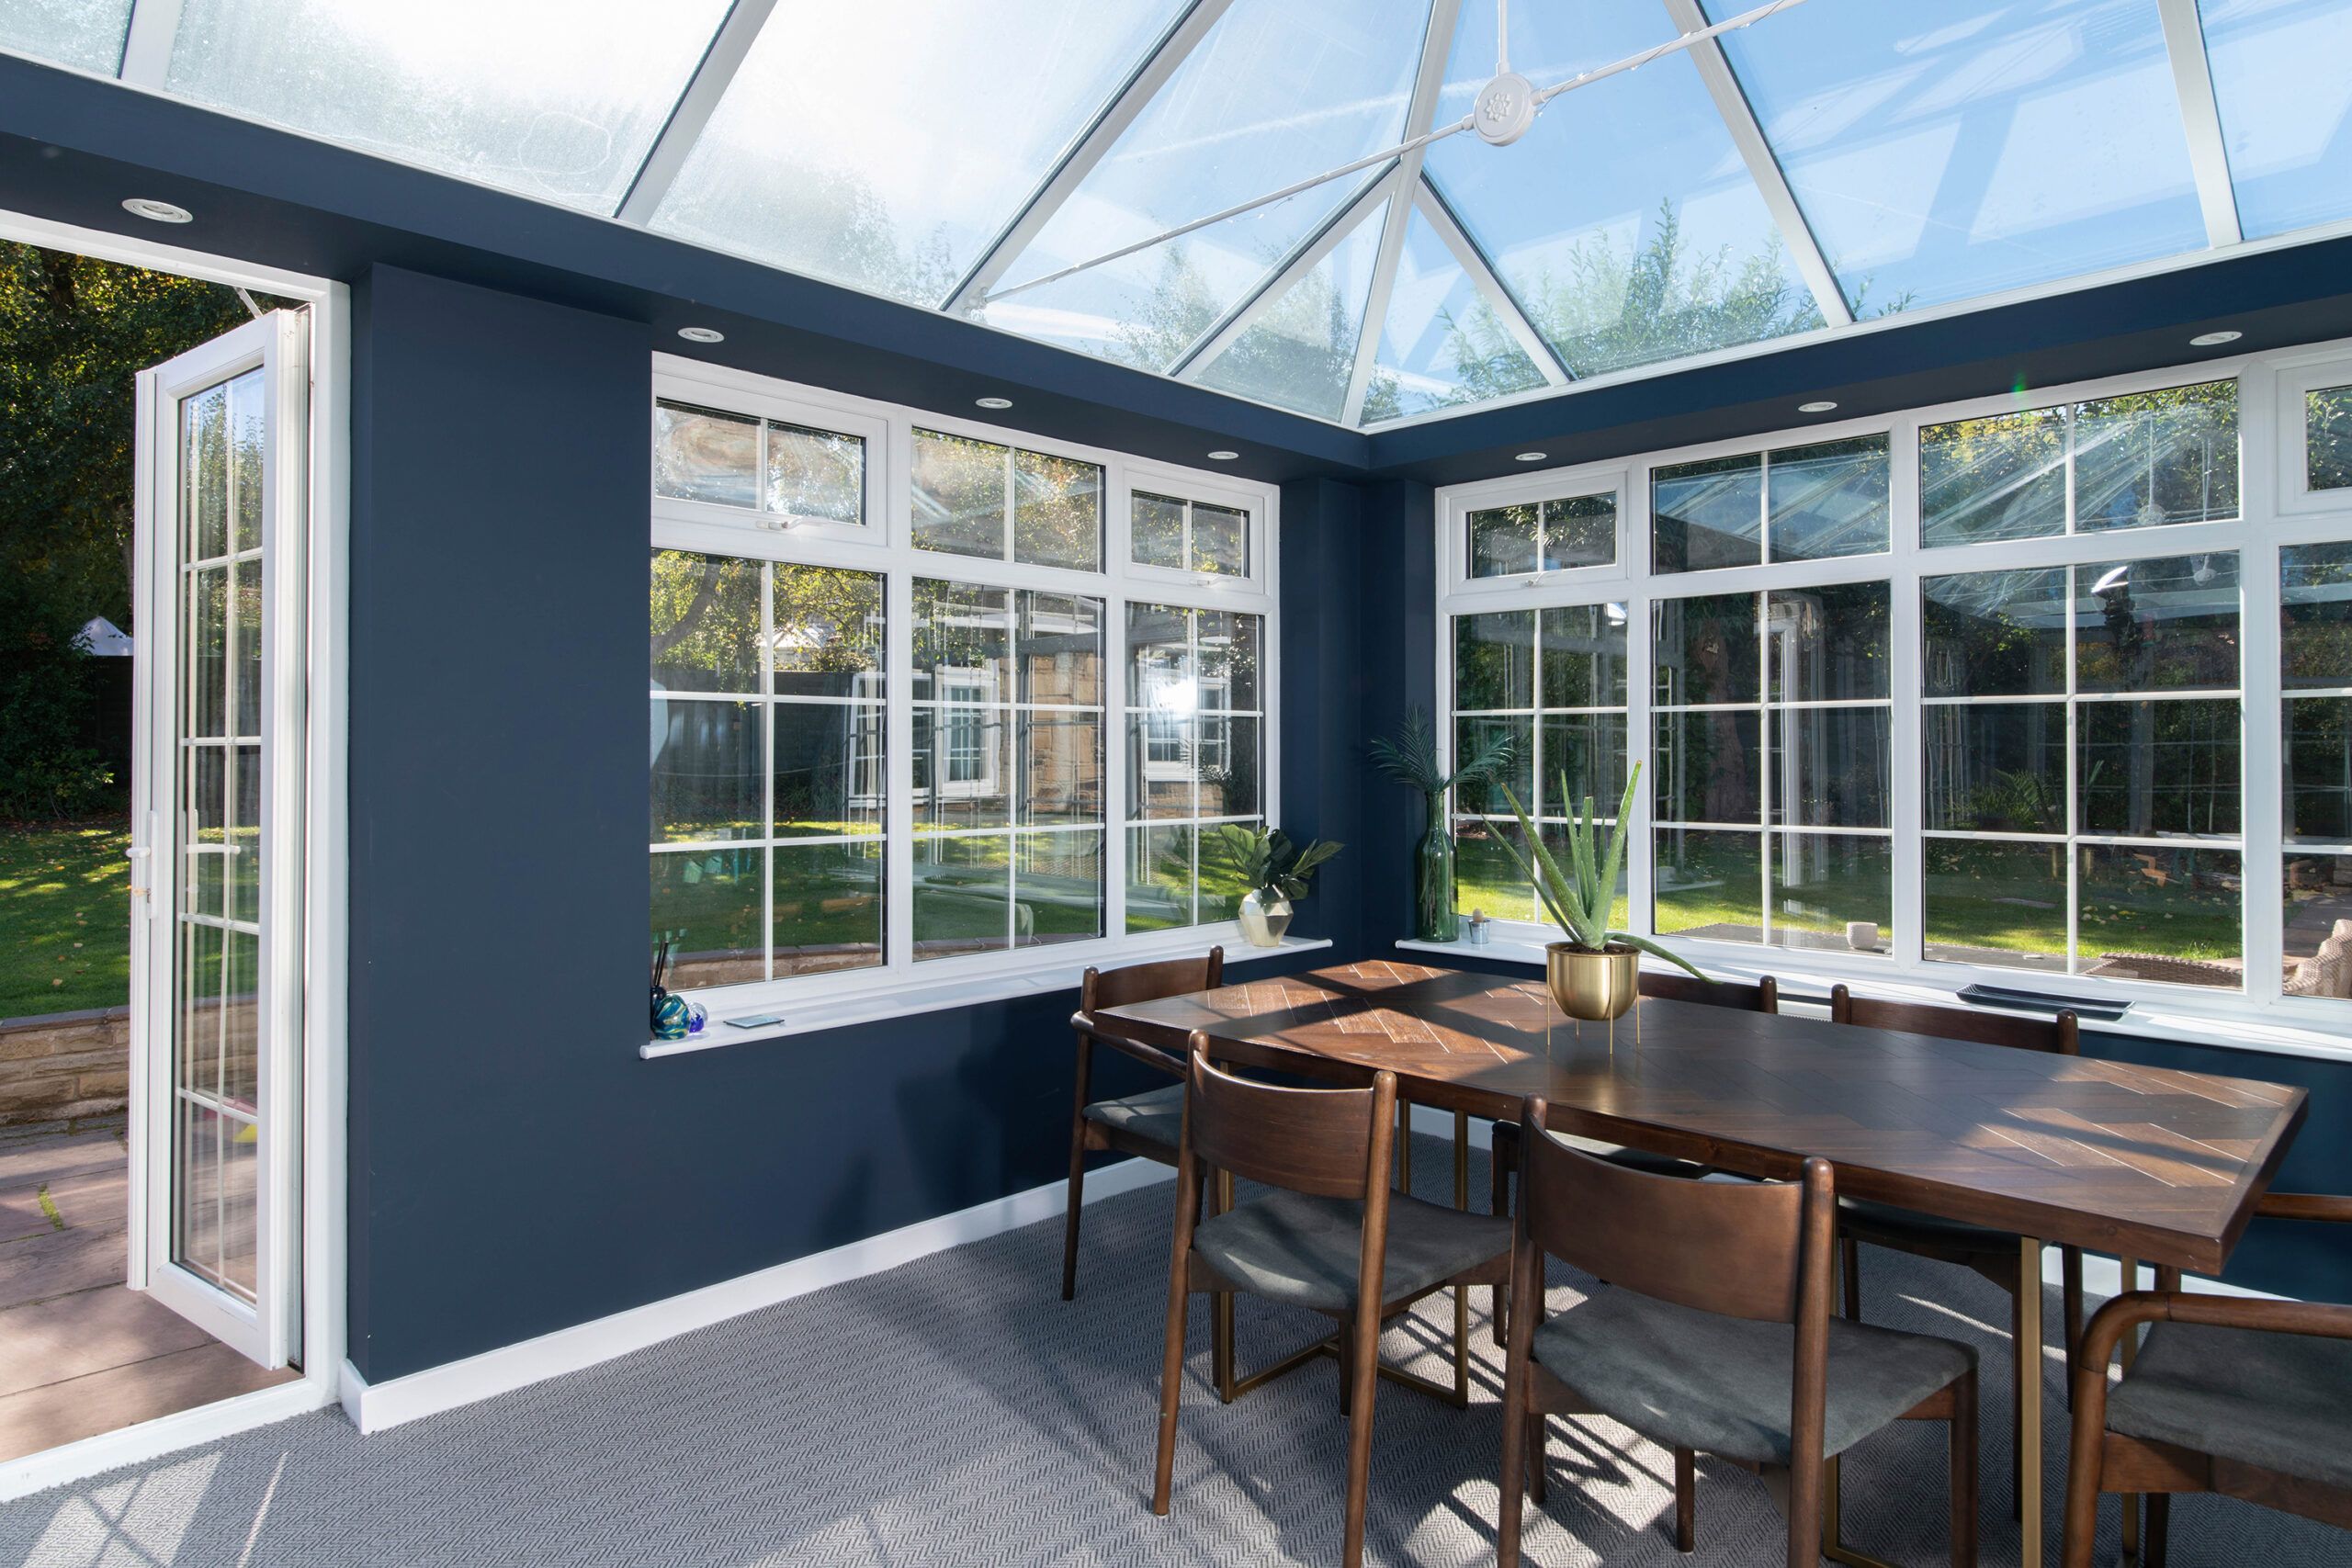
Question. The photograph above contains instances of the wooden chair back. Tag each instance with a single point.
(1144, 983)
(2060, 1036)
(1737, 1249)
(1764, 996)
(1331, 1142)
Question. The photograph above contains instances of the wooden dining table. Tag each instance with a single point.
(2148, 1164)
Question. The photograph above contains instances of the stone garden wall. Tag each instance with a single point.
(68, 1064)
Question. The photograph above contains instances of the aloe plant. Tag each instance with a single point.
(1580, 896)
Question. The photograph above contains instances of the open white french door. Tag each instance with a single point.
(217, 812)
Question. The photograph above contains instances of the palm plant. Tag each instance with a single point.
(1578, 897)
(1411, 758)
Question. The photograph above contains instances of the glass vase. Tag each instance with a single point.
(1434, 918)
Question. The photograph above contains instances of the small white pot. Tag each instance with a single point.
(1263, 924)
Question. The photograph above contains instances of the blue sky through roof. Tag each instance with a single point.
(2282, 77)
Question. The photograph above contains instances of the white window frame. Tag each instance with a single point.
(2272, 514)
(1185, 485)
(2296, 376)
(1457, 503)
(884, 543)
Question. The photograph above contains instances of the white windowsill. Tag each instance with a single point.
(2144, 1020)
(965, 990)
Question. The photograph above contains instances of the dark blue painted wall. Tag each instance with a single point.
(516, 1167)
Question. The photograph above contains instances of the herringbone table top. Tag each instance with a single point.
(2144, 1162)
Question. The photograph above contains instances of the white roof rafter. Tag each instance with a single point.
(147, 45)
(690, 117)
(1739, 119)
(2201, 119)
(1437, 46)
(1304, 258)
(1175, 47)
(1490, 286)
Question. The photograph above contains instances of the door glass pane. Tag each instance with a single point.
(216, 816)
(1830, 766)
(1494, 661)
(1583, 657)
(1828, 644)
(1995, 634)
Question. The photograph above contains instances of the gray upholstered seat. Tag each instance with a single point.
(1927, 1227)
(1155, 1115)
(1291, 1247)
(2280, 1401)
(1721, 1385)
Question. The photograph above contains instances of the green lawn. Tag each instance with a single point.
(64, 919)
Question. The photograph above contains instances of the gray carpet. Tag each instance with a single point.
(954, 1411)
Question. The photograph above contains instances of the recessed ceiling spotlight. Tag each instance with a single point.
(1820, 406)
(2213, 340)
(702, 335)
(994, 402)
(157, 212)
(1532, 456)
(1222, 456)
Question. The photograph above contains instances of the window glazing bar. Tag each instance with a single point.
(1304, 258)
(1175, 46)
(1739, 119)
(691, 115)
(1490, 286)
(2201, 119)
(1437, 44)
(147, 45)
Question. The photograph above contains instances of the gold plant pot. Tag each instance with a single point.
(1594, 986)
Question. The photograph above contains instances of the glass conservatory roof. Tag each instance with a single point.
(1294, 201)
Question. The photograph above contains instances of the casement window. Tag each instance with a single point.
(1967, 695)
(931, 699)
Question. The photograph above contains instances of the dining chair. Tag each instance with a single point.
(1990, 1253)
(1145, 1125)
(2244, 1397)
(1763, 996)
(1330, 1236)
(1713, 1335)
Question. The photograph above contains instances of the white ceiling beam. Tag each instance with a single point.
(1304, 258)
(1175, 46)
(1437, 47)
(147, 46)
(690, 116)
(1490, 286)
(1739, 119)
(2201, 117)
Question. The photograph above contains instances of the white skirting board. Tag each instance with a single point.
(375, 1406)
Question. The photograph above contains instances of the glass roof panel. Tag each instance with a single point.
(2286, 100)
(1441, 346)
(1948, 152)
(1280, 90)
(87, 34)
(559, 99)
(1624, 221)
(884, 143)
(1301, 350)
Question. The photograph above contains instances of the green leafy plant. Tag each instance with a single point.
(1411, 757)
(1578, 897)
(1264, 860)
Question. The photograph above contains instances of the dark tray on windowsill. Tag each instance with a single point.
(2051, 1002)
